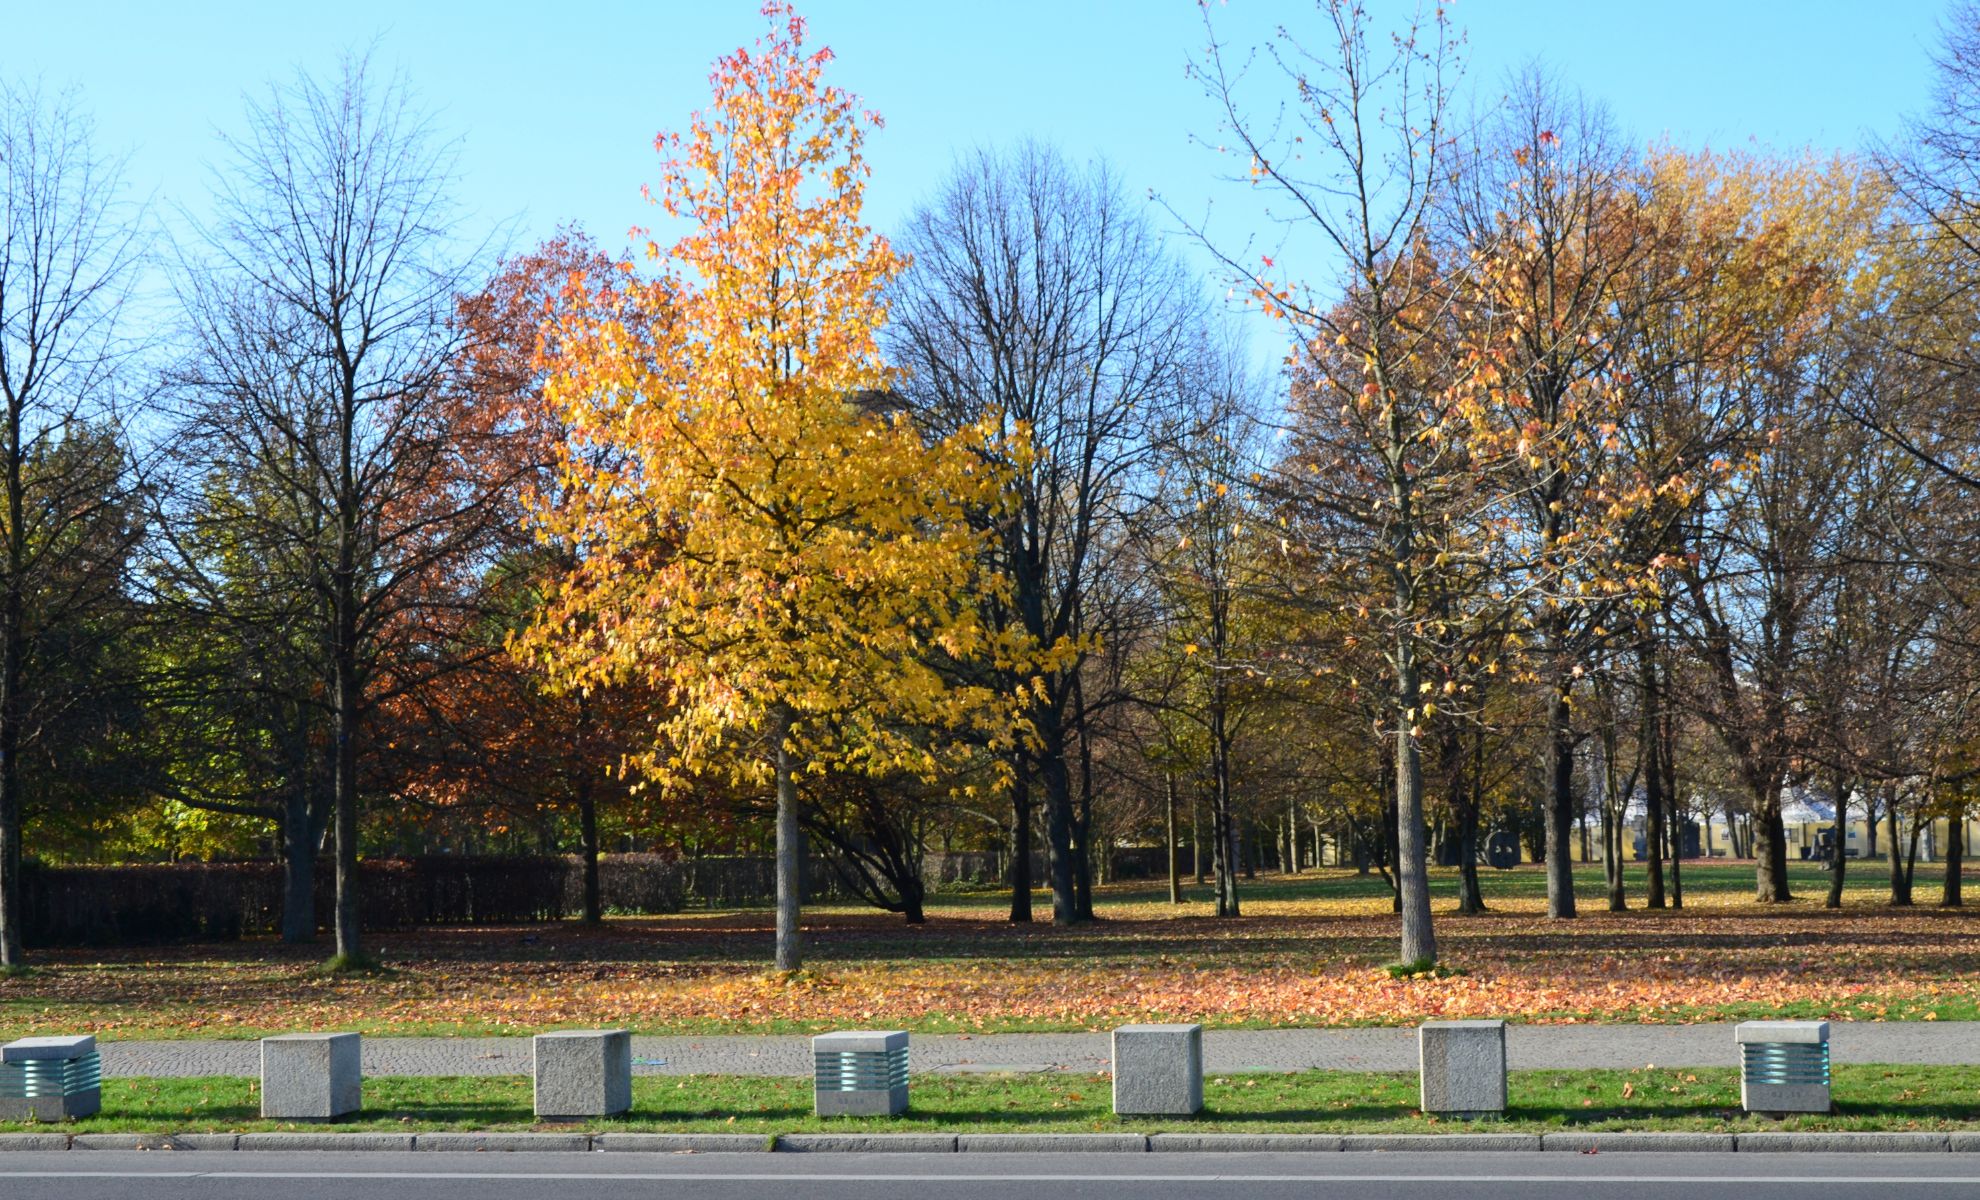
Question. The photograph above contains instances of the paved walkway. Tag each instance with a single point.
(1528, 1046)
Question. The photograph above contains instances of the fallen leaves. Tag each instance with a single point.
(1296, 963)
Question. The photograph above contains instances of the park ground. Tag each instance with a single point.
(1310, 950)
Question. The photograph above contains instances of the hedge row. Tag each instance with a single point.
(136, 905)
(182, 902)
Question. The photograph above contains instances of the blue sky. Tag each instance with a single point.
(557, 103)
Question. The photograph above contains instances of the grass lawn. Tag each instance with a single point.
(1869, 1097)
(1308, 951)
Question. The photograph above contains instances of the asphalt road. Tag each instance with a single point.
(116, 1175)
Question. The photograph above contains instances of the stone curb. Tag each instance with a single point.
(682, 1143)
(1775, 1142)
(325, 1141)
(863, 1143)
(1625, 1143)
(1244, 1143)
(1852, 1143)
(991, 1143)
(501, 1141)
(1420, 1143)
(154, 1141)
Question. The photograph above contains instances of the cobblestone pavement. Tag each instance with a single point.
(1535, 1046)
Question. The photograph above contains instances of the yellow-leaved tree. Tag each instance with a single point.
(762, 541)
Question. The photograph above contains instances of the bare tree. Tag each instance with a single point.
(1039, 295)
(68, 249)
(1351, 155)
(323, 446)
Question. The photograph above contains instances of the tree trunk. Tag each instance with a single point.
(344, 738)
(1467, 797)
(1667, 767)
(594, 907)
(1419, 939)
(1083, 820)
(1560, 806)
(1949, 894)
(1769, 846)
(1224, 846)
(1471, 898)
(1020, 867)
(1058, 824)
(1653, 780)
(790, 848)
(1220, 806)
(1197, 864)
(302, 841)
(1837, 857)
(1900, 879)
(1175, 855)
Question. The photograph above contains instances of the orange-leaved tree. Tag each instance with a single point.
(761, 541)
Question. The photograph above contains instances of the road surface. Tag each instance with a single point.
(197, 1175)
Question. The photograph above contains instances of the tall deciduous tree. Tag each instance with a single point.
(321, 444)
(760, 543)
(1042, 300)
(67, 250)
(1351, 160)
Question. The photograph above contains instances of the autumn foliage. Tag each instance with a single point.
(759, 540)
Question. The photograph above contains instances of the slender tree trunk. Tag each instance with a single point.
(1419, 939)
(1471, 898)
(1082, 829)
(1196, 863)
(1224, 842)
(1175, 856)
(1560, 806)
(1667, 765)
(1949, 894)
(1900, 879)
(1020, 866)
(1059, 824)
(594, 905)
(1653, 780)
(790, 848)
(344, 738)
(1220, 806)
(1467, 787)
(1837, 858)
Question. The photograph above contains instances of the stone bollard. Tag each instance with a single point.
(311, 1076)
(860, 1074)
(583, 1073)
(1783, 1066)
(50, 1079)
(1463, 1065)
(1158, 1070)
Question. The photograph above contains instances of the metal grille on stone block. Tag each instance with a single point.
(1785, 1064)
(50, 1077)
(860, 1070)
(860, 1074)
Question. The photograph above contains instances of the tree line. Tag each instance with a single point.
(1594, 478)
